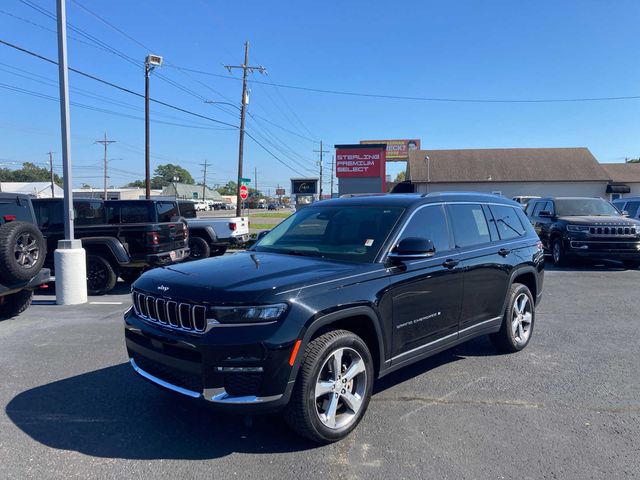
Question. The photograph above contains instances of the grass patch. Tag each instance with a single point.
(271, 215)
(261, 226)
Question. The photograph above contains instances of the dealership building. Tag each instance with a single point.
(522, 171)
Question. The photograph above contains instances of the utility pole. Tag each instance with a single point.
(243, 108)
(204, 180)
(321, 151)
(333, 161)
(255, 178)
(51, 173)
(106, 143)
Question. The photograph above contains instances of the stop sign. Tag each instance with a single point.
(244, 192)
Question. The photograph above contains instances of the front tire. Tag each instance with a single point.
(15, 303)
(517, 322)
(101, 277)
(558, 254)
(333, 387)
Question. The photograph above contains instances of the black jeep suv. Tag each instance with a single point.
(572, 227)
(341, 293)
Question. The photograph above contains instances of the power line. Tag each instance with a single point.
(423, 99)
(131, 92)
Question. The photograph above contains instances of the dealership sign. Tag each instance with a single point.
(397, 149)
(359, 162)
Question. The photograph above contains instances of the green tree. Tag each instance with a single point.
(401, 177)
(163, 175)
(229, 189)
(28, 173)
(135, 184)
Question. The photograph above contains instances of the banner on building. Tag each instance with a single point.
(397, 149)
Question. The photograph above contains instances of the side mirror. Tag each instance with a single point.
(413, 248)
(624, 213)
(545, 214)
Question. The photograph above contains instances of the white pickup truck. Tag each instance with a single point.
(212, 236)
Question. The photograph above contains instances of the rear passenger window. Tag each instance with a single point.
(134, 214)
(507, 222)
(166, 211)
(469, 225)
(89, 213)
(429, 223)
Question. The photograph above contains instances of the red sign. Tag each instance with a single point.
(397, 149)
(359, 162)
(244, 192)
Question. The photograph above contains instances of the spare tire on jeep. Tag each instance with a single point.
(22, 251)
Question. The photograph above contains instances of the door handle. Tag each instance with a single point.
(450, 263)
(503, 252)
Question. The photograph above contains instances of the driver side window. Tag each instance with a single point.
(429, 223)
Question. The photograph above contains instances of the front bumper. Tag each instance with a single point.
(229, 369)
(623, 250)
(166, 258)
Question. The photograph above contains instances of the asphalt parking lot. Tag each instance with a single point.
(566, 407)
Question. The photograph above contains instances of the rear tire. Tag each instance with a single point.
(199, 248)
(517, 322)
(333, 387)
(15, 303)
(22, 251)
(101, 277)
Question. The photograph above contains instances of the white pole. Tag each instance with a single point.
(69, 258)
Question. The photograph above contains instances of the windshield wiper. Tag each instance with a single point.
(303, 253)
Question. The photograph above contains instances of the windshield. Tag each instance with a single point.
(353, 234)
(584, 206)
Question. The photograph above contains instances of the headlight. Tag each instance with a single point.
(250, 314)
(577, 228)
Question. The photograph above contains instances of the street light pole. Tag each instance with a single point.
(150, 62)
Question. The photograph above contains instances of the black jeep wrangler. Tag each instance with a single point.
(125, 248)
(22, 254)
(588, 228)
(339, 294)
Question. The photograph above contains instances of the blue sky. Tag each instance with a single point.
(454, 49)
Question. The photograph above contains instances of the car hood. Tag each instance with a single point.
(245, 277)
(599, 220)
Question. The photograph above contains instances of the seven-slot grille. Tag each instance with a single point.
(612, 230)
(179, 315)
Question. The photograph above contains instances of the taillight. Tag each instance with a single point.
(232, 226)
(9, 218)
(152, 238)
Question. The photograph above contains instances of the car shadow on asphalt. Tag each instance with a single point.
(111, 413)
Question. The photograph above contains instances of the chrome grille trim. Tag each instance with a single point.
(613, 230)
(176, 315)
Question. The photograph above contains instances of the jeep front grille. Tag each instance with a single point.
(612, 230)
(173, 314)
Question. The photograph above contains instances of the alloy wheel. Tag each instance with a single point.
(521, 319)
(340, 388)
(26, 250)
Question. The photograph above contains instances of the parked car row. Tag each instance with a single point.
(587, 228)
(122, 238)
